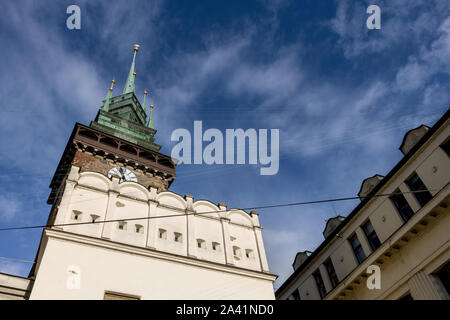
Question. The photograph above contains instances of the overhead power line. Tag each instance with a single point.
(16, 260)
(207, 212)
(179, 215)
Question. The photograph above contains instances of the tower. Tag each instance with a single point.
(117, 141)
(116, 231)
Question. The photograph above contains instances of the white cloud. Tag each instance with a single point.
(429, 62)
(274, 81)
(191, 73)
(10, 207)
(42, 76)
(401, 21)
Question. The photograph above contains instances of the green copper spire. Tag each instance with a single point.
(150, 119)
(145, 96)
(125, 117)
(129, 86)
(105, 107)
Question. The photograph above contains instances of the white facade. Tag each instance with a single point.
(175, 249)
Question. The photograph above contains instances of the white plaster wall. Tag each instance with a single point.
(308, 290)
(434, 171)
(104, 269)
(244, 238)
(94, 193)
(136, 209)
(171, 225)
(86, 201)
(385, 220)
(345, 260)
(211, 231)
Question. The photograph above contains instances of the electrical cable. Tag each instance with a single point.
(207, 212)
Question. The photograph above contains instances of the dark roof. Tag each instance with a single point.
(307, 252)
(341, 218)
(406, 134)
(355, 211)
(375, 175)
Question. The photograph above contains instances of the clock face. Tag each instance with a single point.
(123, 173)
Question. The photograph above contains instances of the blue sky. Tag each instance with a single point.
(341, 95)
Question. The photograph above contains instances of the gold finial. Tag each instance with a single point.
(112, 85)
(134, 74)
(136, 47)
(145, 91)
(152, 105)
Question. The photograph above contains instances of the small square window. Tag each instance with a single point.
(162, 234)
(178, 237)
(216, 246)
(419, 189)
(402, 205)
(446, 147)
(371, 235)
(76, 215)
(139, 228)
(94, 217)
(357, 248)
(331, 273)
(249, 253)
(320, 284)
(201, 244)
(122, 225)
(236, 251)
